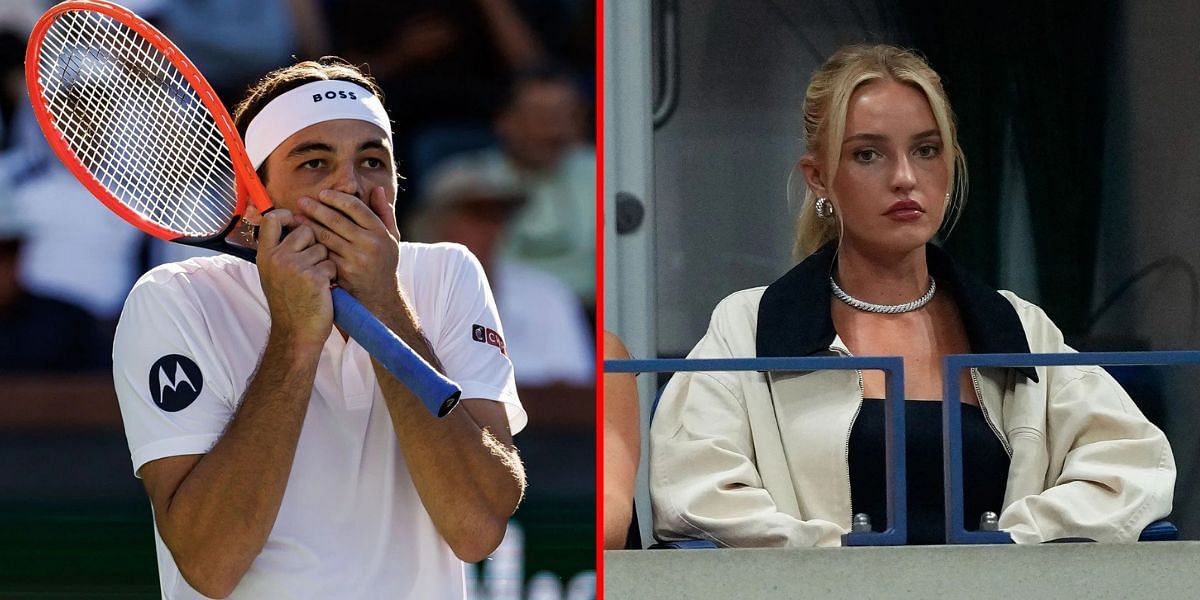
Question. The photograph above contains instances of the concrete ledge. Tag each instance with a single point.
(1093, 571)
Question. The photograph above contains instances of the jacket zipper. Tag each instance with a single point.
(846, 456)
(986, 417)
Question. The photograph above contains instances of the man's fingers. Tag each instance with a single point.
(314, 254)
(272, 225)
(382, 209)
(350, 206)
(331, 217)
(327, 269)
(326, 236)
(299, 238)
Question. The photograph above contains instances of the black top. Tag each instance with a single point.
(985, 468)
(794, 319)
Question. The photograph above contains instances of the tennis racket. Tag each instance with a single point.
(141, 128)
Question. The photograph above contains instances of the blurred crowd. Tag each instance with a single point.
(492, 113)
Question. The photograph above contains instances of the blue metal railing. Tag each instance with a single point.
(952, 442)
(893, 368)
(896, 533)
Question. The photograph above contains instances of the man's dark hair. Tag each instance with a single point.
(286, 79)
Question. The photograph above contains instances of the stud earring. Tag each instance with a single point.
(824, 208)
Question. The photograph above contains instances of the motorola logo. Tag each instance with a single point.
(175, 382)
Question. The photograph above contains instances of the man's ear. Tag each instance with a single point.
(814, 174)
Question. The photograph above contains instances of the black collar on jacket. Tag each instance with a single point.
(794, 318)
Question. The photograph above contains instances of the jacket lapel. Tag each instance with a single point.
(794, 317)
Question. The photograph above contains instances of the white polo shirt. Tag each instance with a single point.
(351, 524)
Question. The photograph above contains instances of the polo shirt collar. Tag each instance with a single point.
(794, 317)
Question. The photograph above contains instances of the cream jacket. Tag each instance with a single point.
(749, 459)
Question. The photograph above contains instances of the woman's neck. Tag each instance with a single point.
(882, 278)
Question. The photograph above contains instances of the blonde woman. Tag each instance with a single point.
(786, 459)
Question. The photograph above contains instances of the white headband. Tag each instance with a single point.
(310, 104)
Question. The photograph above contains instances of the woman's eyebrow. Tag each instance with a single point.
(879, 137)
(871, 137)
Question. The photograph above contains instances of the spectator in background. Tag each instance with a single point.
(88, 260)
(233, 42)
(439, 62)
(18, 17)
(580, 50)
(471, 202)
(22, 148)
(38, 333)
(541, 129)
(75, 248)
(567, 31)
(12, 82)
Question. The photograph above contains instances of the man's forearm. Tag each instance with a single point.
(221, 513)
(469, 477)
(517, 43)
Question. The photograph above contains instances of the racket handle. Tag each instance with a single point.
(437, 393)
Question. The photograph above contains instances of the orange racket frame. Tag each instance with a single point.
(248, 185)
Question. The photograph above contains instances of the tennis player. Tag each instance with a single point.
(280, 460)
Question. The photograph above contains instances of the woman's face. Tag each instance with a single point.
(892, 178)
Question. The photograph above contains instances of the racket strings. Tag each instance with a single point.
(133, 129)
(136, 124)
(147, 64)
(128, 129)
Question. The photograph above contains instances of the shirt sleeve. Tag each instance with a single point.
(705, 479)
(174, 398)
(1110, 472)
(1086, 463)
(470, 342)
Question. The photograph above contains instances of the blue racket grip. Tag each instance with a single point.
(437, 393)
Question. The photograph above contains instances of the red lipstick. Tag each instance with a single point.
(905, 210)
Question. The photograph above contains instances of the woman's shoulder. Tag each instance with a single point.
(1026, 310)
(1040, 330)
(741, 302)
(734, 323)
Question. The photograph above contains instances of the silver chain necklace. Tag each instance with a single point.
(886, 309)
